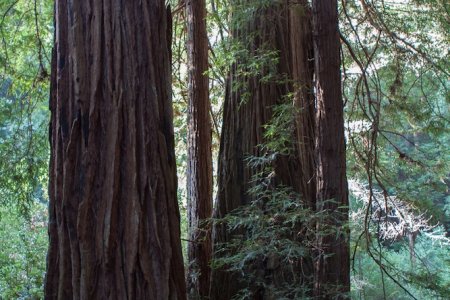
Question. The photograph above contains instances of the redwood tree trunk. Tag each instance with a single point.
(114, 219)
(332, 265)
(199, 174)
(320, 152)
(246, 110)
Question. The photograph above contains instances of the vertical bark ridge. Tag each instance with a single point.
(114, 220)
(302, 71)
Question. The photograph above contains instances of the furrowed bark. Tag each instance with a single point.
(332, 266)
(114, 219)
(302, 70)
(243, 130)
(199, 173)
(305, 48)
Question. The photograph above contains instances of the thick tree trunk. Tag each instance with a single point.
(332, 265)
(114, 220)
(246, 110)
(199, 150)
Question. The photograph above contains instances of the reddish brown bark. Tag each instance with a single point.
(332, 266)
(320, 152)
(243, 128)
(114, 220)
(199, 173)
(302, 70)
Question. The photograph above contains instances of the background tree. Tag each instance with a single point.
(258, 83)
(315, 158)
(114, 220)
(199, 171)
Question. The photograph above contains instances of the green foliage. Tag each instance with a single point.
(405, 267)
(428, 278)
(278, 132)
(23, 253)
(25, 42)
(271, 245)
(395, 82)
(26, 37)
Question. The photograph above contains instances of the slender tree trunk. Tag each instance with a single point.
(332, 266)
(114, 219)
(199, 151)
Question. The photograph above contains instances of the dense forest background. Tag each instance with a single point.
(395, 83)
